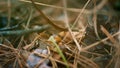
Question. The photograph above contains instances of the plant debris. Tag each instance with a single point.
(59, 34)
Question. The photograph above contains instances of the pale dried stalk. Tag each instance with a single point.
(103, 2)
(108, 35)
(96, 43)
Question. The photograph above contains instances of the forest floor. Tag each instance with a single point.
(59, 34)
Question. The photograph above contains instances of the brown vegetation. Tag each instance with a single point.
(59, 34)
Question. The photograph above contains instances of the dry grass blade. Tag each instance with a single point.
(76, 42)
(67, 24)
(8, 47)
(49, 21)
(96, 43)
(116, 44)
(98, 7)
(31, 45)
(109, 35)
(95, 21)
(83, 61)
(13, 55)
(41, 61)
(74, 9)
(119, 31)
(58, 7)
(9, 13)
(77, 34)
(52, 59)
(88, 62)
(80, 14)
